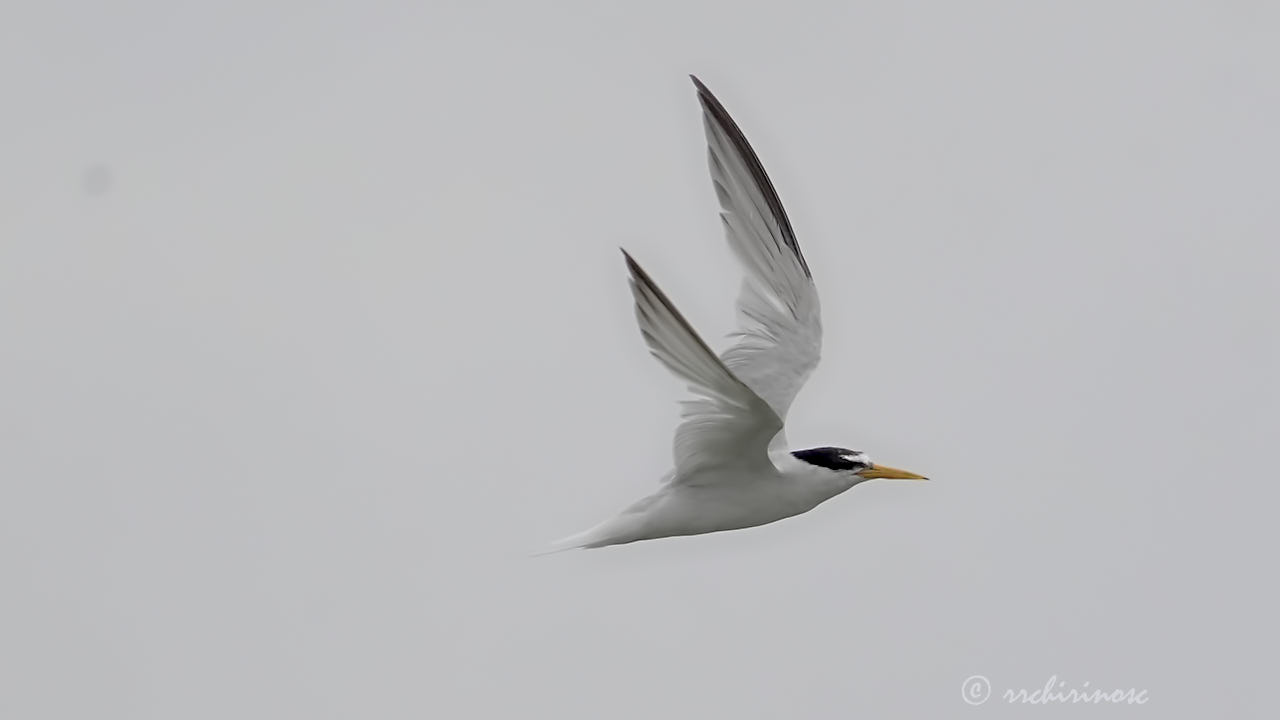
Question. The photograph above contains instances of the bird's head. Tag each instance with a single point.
(852, 462)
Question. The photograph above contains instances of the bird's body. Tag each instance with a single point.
(727, 498)
(732, 469)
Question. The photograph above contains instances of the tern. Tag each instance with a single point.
(732, 466)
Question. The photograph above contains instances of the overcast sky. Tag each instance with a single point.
(314, 328)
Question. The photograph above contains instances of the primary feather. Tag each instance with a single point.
(779, 338)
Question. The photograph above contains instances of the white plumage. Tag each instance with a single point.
(732, 468)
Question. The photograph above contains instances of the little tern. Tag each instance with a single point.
(732, 466)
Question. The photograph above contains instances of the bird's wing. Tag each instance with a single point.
(779, 337)
(728, 424)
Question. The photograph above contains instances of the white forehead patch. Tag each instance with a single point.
(859, 458)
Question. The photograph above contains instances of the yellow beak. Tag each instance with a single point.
(884, 471)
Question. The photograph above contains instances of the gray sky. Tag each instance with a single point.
(315, 327)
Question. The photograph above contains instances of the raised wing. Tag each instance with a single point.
(728, 424)
(779, 337)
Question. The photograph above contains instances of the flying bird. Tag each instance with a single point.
(733, 468)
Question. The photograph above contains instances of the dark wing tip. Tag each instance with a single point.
(713, 109)
(712, 104)
(640, 278)
(643, 285)
(632, 265)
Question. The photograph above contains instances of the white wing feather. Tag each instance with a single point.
(729, 425)
(780, 327)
